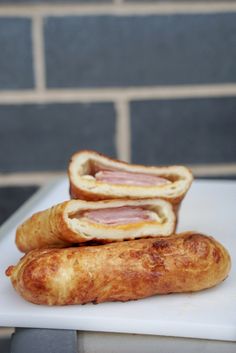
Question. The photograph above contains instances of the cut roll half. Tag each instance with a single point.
(77, 221)
(96, 177)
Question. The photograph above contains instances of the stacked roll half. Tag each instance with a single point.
(115, 240)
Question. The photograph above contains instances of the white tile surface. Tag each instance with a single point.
(209, 208)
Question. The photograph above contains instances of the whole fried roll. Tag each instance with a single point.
(186, 262)
(77, 221)
(94, 176)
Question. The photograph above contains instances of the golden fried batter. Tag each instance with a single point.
(122, 271)
(86, 165)
(63, 225)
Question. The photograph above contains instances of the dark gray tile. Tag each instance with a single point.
(101, 51)
(174, 1)
(5, 338)
(12, 198)
(43, 137)
(44, 340)
(217, 177)
(8, 2)
(16, 67)
(184, 131)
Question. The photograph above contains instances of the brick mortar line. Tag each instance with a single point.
(6, 331)
(114, 94)
(123, 134)
(38, 53)
(118, 2)
(220, 169)
(40, 178)
(116, 8)
(30, 178)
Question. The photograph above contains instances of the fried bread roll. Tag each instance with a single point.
(79, 221)
(186, 262)
(94, 176)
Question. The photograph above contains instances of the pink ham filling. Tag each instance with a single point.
(119, 215)
(138, 179)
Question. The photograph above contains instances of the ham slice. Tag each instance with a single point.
(120, 215)
(138, 179)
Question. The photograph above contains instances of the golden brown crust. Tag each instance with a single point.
(43, 229)
(76, 154)
(123, 271)
(56, 227)
(77, 191)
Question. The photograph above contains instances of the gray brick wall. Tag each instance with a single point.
(152, 82)
(96, 51)
(16, 62)
(124, 51)
(184, 130)
(43, 137)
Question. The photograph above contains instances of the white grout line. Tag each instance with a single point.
(116, 8)
(31, 178)
(118, 2)
(38, 52)
(123, 130)
(40, 178)
(214, 169)
(6, 332)
(112, 94)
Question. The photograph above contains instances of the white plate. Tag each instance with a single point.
(209, 208)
